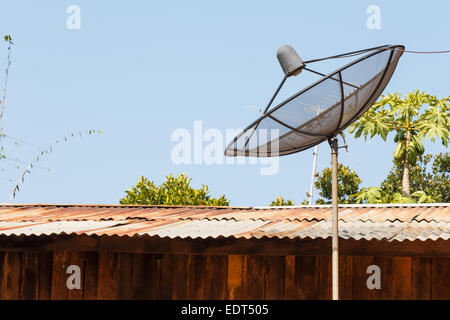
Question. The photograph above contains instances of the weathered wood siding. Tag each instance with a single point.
(42, 275)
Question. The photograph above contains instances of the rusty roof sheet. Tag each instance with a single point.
(388, 222)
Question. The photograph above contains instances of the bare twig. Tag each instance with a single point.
(10, 43)
(46, 150)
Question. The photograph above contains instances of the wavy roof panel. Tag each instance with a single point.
(382, 222)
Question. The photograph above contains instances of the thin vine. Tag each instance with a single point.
(44, 151)
(10, 43)
(18, 142)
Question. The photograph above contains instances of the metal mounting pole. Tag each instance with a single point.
(316, 150)
(311, 188)
(334, 223)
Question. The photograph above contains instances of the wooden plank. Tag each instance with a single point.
(345, 277)
(362, 247)
(217, 276)
(360, 276)
(305, 277)
(401, 274)
(155, 269)
(165, 271)
(274, 281)
(90, 275)
(224, 246)
(108, 275)
(198, 277)
(236, 281)
(45, 266)
(29, 283)
(421, 278)
(181, 277)
(290, 291)
(145, 277)
(141, 277)
(125, 290)
(440, 287)
(12, 264)
(256, 273)
(2, 280)
(386, 268)
(323, 277)
(76, 259)
(61, 260)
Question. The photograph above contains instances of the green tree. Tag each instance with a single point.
(174, 191)
(348, 184)
(279, 201)
(428, 183)
(367, 195)
(416, 117)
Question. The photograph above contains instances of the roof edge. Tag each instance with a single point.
(383, 205)
(375, 205)
(115, 205)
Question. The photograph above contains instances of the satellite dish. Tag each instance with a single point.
(319, 112)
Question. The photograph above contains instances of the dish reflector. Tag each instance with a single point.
(321, 110)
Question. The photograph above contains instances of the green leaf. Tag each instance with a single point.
(174, 191)
(279, 201)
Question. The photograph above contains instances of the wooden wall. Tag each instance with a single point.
(106, 275)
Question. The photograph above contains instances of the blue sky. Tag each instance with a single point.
(139, 70)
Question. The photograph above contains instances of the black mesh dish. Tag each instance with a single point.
(321, 110)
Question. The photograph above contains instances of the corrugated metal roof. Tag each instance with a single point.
(388, 222)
